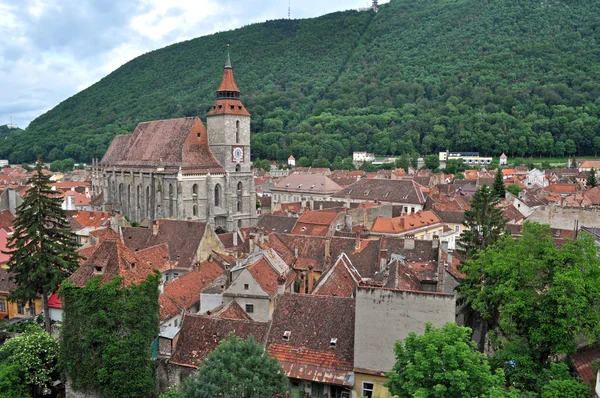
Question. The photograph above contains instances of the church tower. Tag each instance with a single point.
(228, 125)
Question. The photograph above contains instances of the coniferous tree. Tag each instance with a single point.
(483, 221)
(591, 180)
(499, 184)
(43, 247)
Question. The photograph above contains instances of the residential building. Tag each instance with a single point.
(292, 161)
(503, 159)
(396, 313)
(405, 193)
(363, 157)
(15, 309)
(297, 187)
(421, 225)
(468, 158)
(182, 170)
(312, 337)
(588, 165)
(257, 281)
(536, 179)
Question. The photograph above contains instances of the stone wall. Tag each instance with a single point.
(565, 217)
(384, 316)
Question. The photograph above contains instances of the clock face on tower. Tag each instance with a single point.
(237, 154)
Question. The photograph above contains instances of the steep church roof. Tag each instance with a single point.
(171, 144)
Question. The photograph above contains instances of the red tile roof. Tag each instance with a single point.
(157, 257)
(313, 321)
(185, 290)
(54, 301)
(113, 259)
(232, 310)
(6, 220)
(228, 107)
(200, 335)
(173, 143)
(80, 219)
(583, 360)
(406, 223)
(340, 280)
(265, 276)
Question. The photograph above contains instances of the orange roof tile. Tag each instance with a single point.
(265, 276)
(406, 223)
(232, 310)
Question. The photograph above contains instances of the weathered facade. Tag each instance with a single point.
(181, 170)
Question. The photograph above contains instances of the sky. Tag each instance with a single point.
(52, 49)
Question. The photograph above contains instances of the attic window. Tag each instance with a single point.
(232, 107)
(246, 287)
(249, 308)
(312, 186)
(214, 107)
(303, 229)
(220, 106)
(333, 342)
(286, 335)
(198, 134)
(299, 185)
(97, 269)
(240, 107)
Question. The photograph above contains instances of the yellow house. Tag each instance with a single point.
(15, 309)
(370, 384)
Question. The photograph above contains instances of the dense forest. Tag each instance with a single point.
(514, 76)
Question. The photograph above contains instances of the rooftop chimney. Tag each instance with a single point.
(155, 227)
(357, 243)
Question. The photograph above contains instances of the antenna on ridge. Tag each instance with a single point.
(289, 9)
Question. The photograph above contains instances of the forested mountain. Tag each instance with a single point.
(514, 76)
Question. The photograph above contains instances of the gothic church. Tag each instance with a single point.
(180, 169)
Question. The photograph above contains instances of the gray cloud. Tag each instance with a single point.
(51, 49)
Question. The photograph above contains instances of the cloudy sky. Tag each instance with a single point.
(51, 49)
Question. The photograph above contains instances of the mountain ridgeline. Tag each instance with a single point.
(514, 76)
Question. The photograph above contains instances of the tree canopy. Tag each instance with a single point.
(443, 362)
(512, 76)
(237, 369)
(108, 330)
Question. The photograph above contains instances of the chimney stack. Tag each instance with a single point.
(155, 227)
(357, 243)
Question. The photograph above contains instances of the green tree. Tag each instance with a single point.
(453, 166)
(443, 362)
(498, 187)
(591, 180)
(43, 247)
(432, 162)
(303, 162)
(35, 354)
(535, 293)
(171, 393)
(483, 221)
(237, 369)
(320, 162)
(107, 334)
(514, 189)
(403, 162)
(12, 381)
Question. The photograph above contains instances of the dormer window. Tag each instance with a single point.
(333, 342)
(286, 335)
(98, 269)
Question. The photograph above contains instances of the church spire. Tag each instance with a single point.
(228, 62)
(228, 94)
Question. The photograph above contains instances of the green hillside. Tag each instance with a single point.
(514, 76)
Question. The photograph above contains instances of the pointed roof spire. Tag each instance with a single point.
(228, 62)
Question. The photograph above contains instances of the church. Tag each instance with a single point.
(179, 169)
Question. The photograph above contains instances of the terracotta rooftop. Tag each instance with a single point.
(231, 310)
(6, 220)
(394, 191)
(200, 335)
(185, 290)
(562, 188)
(315, 222)
(583, 360)
(320, 337)
(340, 280)
(171, 143)
(277, 224)
(80, 219)
(170, 232)
(318, 184)
(403, 224)
(111, 259)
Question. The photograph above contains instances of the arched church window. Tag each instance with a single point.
(170, 200)
(121, 192)
(217, 195)
(237, 132)
(238, 167)
(148, 202)
(195, 189)
(195, 210)
(239, 196)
